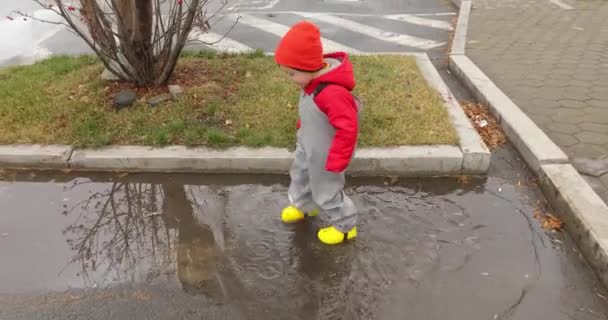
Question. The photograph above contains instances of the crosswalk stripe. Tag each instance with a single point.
(432, 23)
(225, 45)
(379, 34)
(412, 18)
(279, 30)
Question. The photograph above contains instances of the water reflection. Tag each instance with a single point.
(218, 242)
(117, 236)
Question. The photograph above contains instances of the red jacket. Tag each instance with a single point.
(337, 102)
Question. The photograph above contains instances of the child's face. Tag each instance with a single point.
(302, 79)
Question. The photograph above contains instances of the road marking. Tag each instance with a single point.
(416, 19)
(379, 34)
(432, 23)
(434, 14)
(562, 4)
(225, 45)
(439, 14)
(279, 30)
(255, 5)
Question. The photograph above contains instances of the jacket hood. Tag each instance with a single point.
(340, 73)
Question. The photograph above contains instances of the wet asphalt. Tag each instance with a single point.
(100, 246)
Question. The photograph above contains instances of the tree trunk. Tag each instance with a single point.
(143, 18)
(133, 38)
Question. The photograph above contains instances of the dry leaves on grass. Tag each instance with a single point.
(548, 221)
(485, 124)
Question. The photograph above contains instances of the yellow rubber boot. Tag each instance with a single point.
(333, 236)
(292, 214)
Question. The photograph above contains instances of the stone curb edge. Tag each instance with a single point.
(406, 161)
(576, 203)
(476, 155)
(470, 157)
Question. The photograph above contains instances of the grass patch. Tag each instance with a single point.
(228, 100)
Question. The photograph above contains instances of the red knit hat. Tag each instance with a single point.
(301, 48)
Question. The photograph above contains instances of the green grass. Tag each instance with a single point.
(231, 100)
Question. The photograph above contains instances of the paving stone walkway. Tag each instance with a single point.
(551, 58)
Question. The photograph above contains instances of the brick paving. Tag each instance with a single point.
(553, 63)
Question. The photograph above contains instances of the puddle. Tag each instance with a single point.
(432, 248)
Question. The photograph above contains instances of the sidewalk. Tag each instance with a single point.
(553, 62)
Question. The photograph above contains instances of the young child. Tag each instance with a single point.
(328, 128)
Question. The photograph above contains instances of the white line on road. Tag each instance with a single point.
(562, 5)
(279, 30)
(439, 14)
(412, 19)
(379, 34)
(225, 45)
(255, 5)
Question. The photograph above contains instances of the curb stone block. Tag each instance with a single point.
(183, 159)
(476, 154)
(584, 213)
(35, 156)
(408, 161)
(459, 41)
(403, 161)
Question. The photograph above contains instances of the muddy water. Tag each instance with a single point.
(192, 247)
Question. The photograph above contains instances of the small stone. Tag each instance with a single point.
(154, 101)
(108, 76)
(176, 91)
(124, 99)
(591, 167)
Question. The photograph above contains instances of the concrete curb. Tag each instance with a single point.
(476, 155)
(403, 161)
(459, 41)
(584, 213)
(470, 157)
(35, 156)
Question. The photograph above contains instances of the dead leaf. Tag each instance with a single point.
(550, 222)
(485, 123)
(464, 179)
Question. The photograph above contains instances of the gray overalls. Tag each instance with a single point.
(312, 187)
